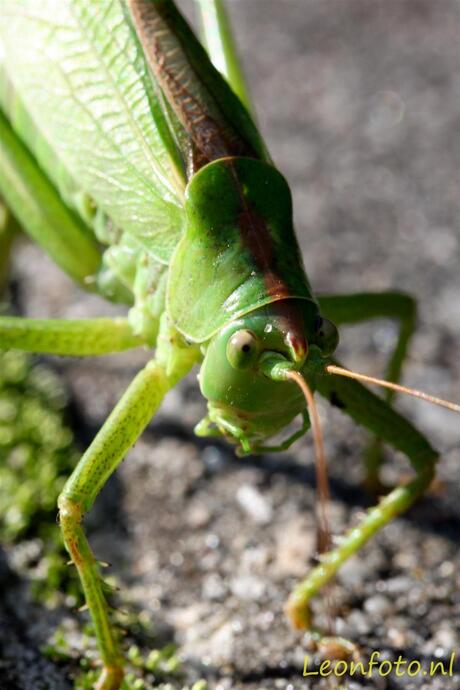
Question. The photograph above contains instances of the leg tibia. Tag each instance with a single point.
(398, 501)
(374, 413)
(359, 307)
(121, 430)
(220, 44)
(119, 433)
(70, 516)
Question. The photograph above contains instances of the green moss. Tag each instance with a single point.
(36, 456)
(145, 670)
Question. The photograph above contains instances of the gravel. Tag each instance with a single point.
(360, 104)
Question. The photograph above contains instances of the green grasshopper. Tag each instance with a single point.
(137, 166)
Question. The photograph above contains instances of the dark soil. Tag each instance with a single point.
(359, 101)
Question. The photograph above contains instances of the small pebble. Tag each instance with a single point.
(247, 587)
(213, 587)
(254, 504)
(378, 606)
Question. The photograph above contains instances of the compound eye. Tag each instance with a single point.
(326, 336)
(243, 349)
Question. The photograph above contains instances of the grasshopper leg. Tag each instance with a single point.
(124, 425)
(355, 308)
(122, 428)
(38, 208)
(220, 44)
(77, 338)
(376, 414)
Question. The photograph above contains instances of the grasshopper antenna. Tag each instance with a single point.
(279, 370)
(340, 371)
(322, 480)
(323, 535)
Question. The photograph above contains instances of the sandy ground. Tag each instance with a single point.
(359, 101)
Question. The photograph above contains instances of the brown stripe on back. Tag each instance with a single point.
(210, 134)
(257, 240)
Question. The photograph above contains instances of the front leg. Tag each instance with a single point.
(125, 424)
(374, 413)
(359, 307)
(121, 430)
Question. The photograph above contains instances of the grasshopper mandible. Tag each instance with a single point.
(138, 168)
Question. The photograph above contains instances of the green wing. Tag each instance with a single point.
(81, 82)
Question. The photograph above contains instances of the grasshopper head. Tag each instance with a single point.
(245, 403)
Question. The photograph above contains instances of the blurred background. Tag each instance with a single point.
(359, 102)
